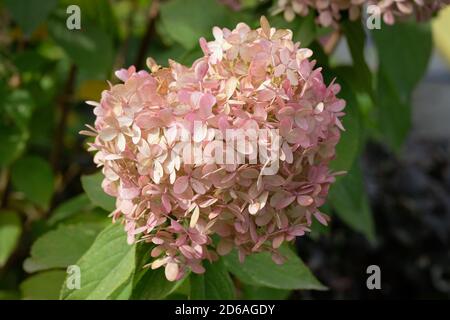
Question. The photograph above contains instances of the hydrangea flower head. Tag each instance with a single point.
(251, 81)
(329, 12)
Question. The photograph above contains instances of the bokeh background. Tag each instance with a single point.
(396, 212)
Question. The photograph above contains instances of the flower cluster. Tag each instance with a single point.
(329, 12)
(397, 9)
(247, 79)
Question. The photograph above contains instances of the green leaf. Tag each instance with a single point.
(187, 29)
(404, 50)
(77, 204)
(34, 177)
(153, 285)
(214, 284)
(10, 230)
(349, 199)
(43, 286)
(13, 143)
(351, 139)
(124, 291)
(394, 115)
(150, 284)
(29, 14)
(92, 185)
(264, 293)
(105, 267)
(9, 295)
(355, 35)
(259, 270)
(19, 106)
(90, 48)
(64, 246)
(16, 108)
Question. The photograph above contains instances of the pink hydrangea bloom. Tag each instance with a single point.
(329, 12)
(391, 10)
(247, 79)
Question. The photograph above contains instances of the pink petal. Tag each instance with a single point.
(198, 186)
(277, 241)
(322, 218)
(281, 200)
(181, 184)
(147, 121)
(171, 271)
(129, 193)
(197, 268)
(166, 203)
(305, 200)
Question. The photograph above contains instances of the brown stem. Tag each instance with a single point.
(4, 190)
(153, 12)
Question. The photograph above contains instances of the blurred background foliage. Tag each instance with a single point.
(52, 208)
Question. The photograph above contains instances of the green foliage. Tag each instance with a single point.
(10, 230)
(71, 207)
(394, 114)
(187, 28)
(29, 14)
(260, 270)
(92, 187)
(83, 47)
(34, 177)
(13, 144)
(63, 246)
(264, 293)
(105, 267)
(404, 51)
(355, 36)
(214, 284)
(43, 286)
(349, 199)
(153, 285)
(349, 146)
(16, 107)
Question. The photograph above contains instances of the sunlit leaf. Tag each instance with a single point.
(105, 267)
(259, 270)
(203, 15)
(63, 246)
(92, 185)
(43, 286)
(71, 207)
(10, 230)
